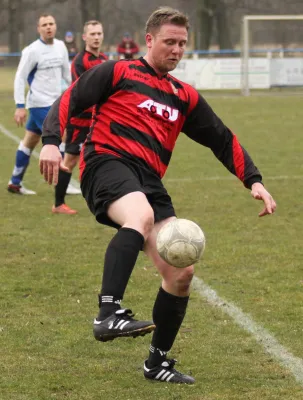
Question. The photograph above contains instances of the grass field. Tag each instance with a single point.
(51, 271)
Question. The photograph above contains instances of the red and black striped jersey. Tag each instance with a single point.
(84, 61)
(139, 116)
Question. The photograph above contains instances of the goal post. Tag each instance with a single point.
(245, 45)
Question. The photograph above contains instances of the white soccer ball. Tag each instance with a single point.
(181, 243)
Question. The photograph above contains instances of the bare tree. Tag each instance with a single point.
(16, 11)
(205, 25)
(213, 13)
(13, 24)
(223, 26)
(213, 21)
(90, 9)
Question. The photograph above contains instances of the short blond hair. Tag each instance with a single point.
(91, 22)
(166, 15)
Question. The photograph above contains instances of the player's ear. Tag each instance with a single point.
(148, 40)
(84, 36)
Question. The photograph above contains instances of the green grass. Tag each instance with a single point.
(51, 269)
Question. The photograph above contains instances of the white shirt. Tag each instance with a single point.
(42, 66)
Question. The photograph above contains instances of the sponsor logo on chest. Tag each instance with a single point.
(163, 110)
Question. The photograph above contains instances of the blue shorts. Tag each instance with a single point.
(36, 119)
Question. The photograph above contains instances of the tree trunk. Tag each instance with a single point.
(224, 40)
(204, 26)
(90, 9)
(13, 25)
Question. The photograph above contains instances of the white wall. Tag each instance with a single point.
(225, 73)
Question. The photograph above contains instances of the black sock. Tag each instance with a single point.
(108, 305)
(61, 187)
(120, 258)
(168, 314)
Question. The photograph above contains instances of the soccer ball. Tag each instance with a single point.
(180, 243)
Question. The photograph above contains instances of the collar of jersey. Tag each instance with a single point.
(150, 69)
(89, 52)
(45, 42)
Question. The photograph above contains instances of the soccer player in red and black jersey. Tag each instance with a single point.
(78, 127)
(141, 110)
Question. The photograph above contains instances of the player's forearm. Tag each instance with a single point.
(19, 90)
(236, 159)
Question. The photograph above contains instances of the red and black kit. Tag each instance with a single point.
(84, 61)
(138, 118)
(78, 127)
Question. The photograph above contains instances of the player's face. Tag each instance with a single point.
(166, 47)
(47, 28)
(93, 37)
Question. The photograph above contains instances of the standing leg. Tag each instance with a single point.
(168, 314)
(71, 189)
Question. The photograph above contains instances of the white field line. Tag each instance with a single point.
(231, 177)
(16, 139)
(261, 335)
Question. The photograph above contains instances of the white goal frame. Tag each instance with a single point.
(245, 45)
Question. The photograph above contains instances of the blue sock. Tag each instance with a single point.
(22, 160)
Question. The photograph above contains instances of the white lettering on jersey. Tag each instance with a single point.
(157, 108)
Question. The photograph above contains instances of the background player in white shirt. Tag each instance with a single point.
(42, 66)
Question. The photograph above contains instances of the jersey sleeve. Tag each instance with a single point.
(27, 63)
(93, 87)
(205, 127)
(78, 67)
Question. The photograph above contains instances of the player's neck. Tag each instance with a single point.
(47, 41)
(153, 66)
(95, 52)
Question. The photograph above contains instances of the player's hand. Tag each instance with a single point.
(259, 192)
(20, 116)
(50, 161)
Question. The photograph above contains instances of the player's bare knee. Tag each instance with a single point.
(148, 223)
(183, 278)
(142, 221)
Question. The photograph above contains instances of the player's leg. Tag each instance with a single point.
(31, 139)
(72, 146)
(168, 313)
(70, 160)
(23, 154)
(172, 299)
(115, 196)
(71, 189)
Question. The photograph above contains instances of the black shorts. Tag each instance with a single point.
(113, 178)
(75, 137)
